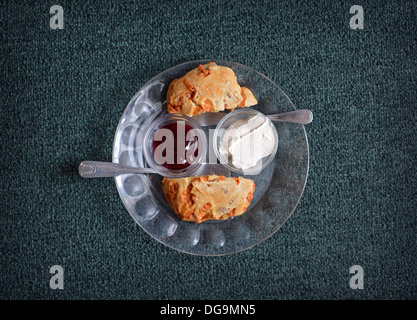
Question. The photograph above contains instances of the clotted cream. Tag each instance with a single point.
(247, 141)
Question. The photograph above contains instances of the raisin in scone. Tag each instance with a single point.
(208, 88)
(208, 197)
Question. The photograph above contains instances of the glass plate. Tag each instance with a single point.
(279, 186)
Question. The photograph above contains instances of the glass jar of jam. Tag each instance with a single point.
(174, 145)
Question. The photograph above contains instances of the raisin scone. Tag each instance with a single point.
(208, 197)
(208, 88)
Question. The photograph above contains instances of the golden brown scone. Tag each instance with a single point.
(208, 88)
(208, 197)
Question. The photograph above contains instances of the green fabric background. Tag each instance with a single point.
(63, 92)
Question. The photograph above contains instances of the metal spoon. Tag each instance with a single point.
(98, 169)
(302, 116)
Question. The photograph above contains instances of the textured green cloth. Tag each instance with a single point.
(64, 91)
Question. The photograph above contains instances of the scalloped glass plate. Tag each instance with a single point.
(279, 186)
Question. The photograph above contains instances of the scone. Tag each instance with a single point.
(208, 88)
(208, 197)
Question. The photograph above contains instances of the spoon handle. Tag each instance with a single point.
(302, 116)
(97, 169)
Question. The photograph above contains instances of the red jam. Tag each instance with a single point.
(179, 131)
